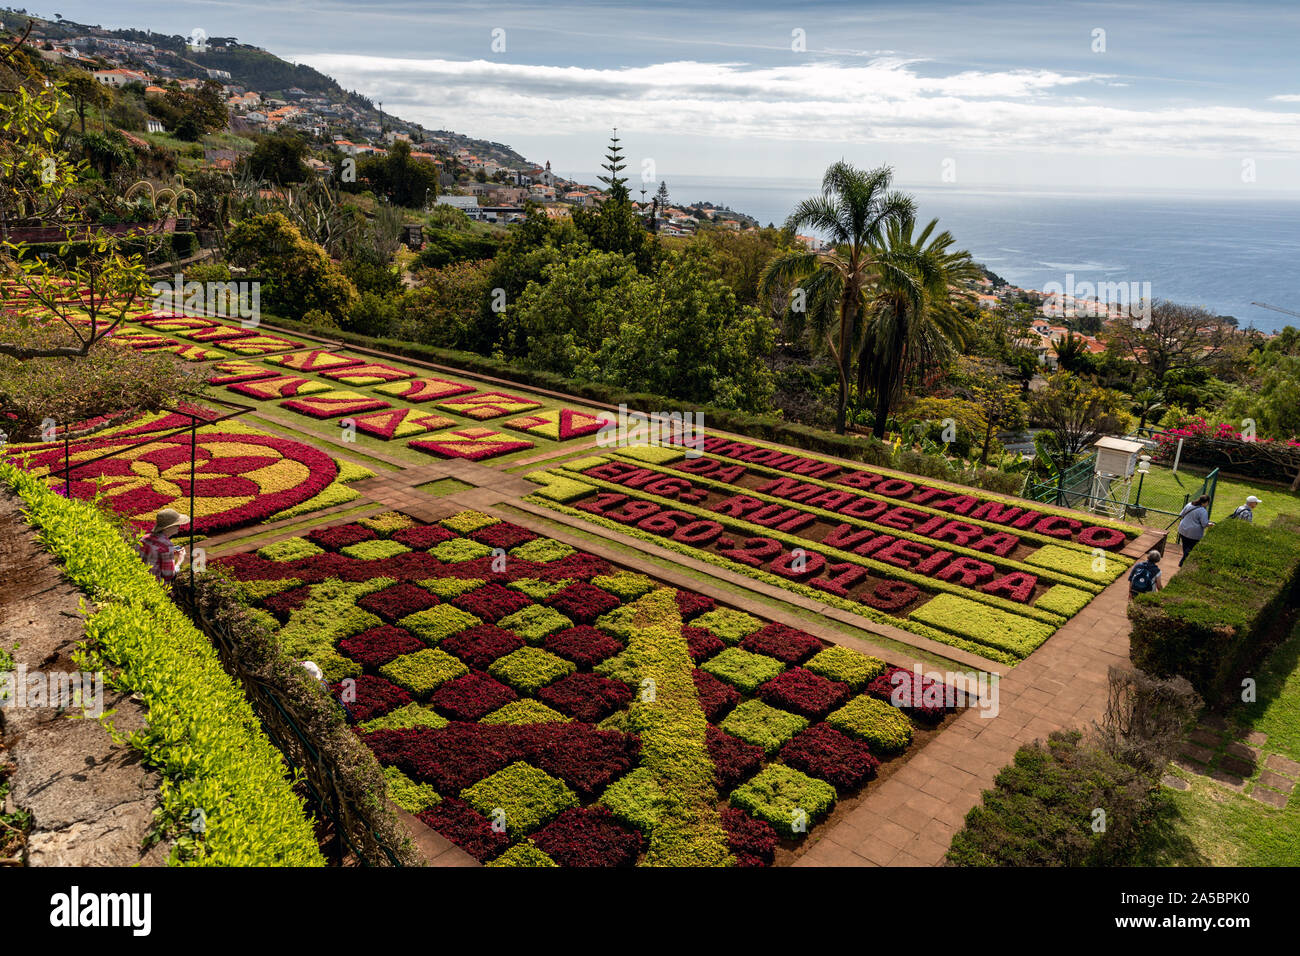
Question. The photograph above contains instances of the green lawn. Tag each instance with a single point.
(1213, 826)
(1165, 490)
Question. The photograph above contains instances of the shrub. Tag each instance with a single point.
(536, 588)
(525, 710)
(422, 537)
(582, 602)
(374, 648)
(327, 616)
(464, 522)
(822, 751)
(787, 799)
(589, 837)
(371, 696)
(846, 666)
(690, 604)
(586, 697)
(374, 550)
(434, 624)
(529, 797)
(535, 623)
(459, 550)
(702, 644)
(448, 588)
(334, 539)
(752, 842)
(530, 668)
(926, 698)
(1063, 600)
(763, 725)
(733, 759)
(584, 645)
(626, 585)
(636, 799)
(730, 625)
(388, 523)
(1040, 811)
(471, 696)
(802, 692)
(398, 601)
(523, 853)
(491, 602)
(787, 644)
(883, 728)
(289, 550)
(542, 551)
(466, 827)
(743, 669)
(716, 698)
(983, 624)
(406, 793)
(424, 671)
(480, 645)
(503, 534)
(1214, 614)
(1079, 564)
(409, 715)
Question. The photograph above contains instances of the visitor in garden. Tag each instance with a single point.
(156, 549)
(1191, 529)
(1145, 576)
(1246, 512)
(313, 669)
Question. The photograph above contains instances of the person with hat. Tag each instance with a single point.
(1246, 512)
(1144, 578)
(156, 549)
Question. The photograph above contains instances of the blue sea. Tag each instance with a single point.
(1218, 252)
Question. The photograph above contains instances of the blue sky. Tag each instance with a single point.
(1186, 95)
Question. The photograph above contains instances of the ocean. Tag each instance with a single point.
(1218, 252)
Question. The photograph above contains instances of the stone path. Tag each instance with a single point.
(1246, 765)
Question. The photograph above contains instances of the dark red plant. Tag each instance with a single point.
(584, 645)
(480, 645)
(803, 692)
(471, 696)
(503, 534)
(397, 601)
(582, 602)
(787, 644)
(734, 760)
(332, 539)
(374, 648)
(689, 604)
(467, 828)
(752, 842)
(716, 697)
(701, 642)
(586, 697)
(589, 837)
(375, 696)
(491, 602)
(822, 751)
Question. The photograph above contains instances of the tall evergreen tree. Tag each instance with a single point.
(662, 196)
(614, 164)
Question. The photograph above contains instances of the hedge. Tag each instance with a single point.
(867, 449)
(202, 735)
(165, 248)
(1214, 615)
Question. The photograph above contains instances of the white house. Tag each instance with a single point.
(154, 125)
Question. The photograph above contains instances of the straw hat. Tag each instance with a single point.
(168, 520)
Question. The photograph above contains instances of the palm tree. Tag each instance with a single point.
(854, 210)
(913, 326)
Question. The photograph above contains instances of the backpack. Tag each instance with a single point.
(1143, 577)
(1239, 513)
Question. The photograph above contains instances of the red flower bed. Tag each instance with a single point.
(803, 692)
(395, 602)
(716, 697)
(690, 604)
(480, 645)
(752, 842)
(586, 758)
(466, 827)
(586, 697)
(374, 648)
(927, 699)
(822, 751)
(701, 642)
(422, 537)
(589, 837)
(890, 596)
(286, 602)
(375, 697)
(584, 645)
(492, 602)
(582, 602)
(734, 760)
(340, 536)
(503, 534)
(471, 696)
(787, 644)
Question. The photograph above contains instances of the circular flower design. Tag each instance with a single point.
(237, 479)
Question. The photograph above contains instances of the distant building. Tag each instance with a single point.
(154, 125)
(118, 78)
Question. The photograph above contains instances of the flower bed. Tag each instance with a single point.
(399, 422)
(945, 566)
(558, 424)
(474, 444)
(371, 373)
(316, 360)
(334, 403)
(424, 389)
(556, 709)
(484, 405)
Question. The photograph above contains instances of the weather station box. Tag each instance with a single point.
(1117, 456)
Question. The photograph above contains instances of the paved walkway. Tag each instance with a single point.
(910, 819)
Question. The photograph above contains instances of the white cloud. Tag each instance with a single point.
(886, 99)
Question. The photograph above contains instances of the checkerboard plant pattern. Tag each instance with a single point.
(497, 674)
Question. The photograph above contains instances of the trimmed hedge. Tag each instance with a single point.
(789, 800)
(202, 735)
(884, 728)
(1214, 614)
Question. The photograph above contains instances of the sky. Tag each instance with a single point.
(1113, 97)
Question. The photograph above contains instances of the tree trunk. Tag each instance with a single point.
(988, 437)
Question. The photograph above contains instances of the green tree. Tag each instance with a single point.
(1077, 413)
(1072, 354)
(403, 181)
(913, 325)
(297, 276)
(616, 226)
(278, 159)
(85, 92)
(833, 287)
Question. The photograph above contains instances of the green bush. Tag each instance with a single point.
(637, 799)
(529, 669)
(1063, 600)
(542, 550)
(463, 522)
(385, 524)
(289, 550)
(983, 624)
(728, 625)
(440, 621)
(376, 549)
(525, 711)
(1214, 615)
(406, 793)
(523, 853)
(787, 799)
(624, 585)
(1042, 810)
(457, 550)
(330, 614)
(885, 729)
(763, 725)
(743, 669)
(536, 589)
(409, 715)
(535, 623)
(423, 672)
(1079, 564)
(448, 588)
(848, 667)
(202, 736)
(528, 797)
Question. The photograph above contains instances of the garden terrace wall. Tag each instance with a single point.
(1215, 614)
(865, 449)
(308, 727)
